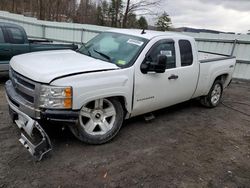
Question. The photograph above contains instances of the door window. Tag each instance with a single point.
(16, 35)
(1, 36)
(164, 48)
(186, 53)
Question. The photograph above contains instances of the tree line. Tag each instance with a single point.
(113, 13)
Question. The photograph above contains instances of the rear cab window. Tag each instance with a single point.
(15, 35)
(186, 53)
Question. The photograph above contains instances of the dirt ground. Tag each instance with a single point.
(185, 146)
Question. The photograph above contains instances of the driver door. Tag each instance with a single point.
(158, 90)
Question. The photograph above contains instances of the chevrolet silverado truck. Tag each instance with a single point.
(14, 41)
(117, 75)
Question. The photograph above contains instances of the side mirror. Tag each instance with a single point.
(158, 67)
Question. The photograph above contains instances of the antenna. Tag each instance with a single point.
(143, 32)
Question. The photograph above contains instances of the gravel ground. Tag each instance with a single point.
(185, 146)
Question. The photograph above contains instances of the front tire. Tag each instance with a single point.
(214, 96)
(99, 121)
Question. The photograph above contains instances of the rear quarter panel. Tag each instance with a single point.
(209, 71)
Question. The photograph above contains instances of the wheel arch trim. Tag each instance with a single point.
(120, 96)
(223, 76)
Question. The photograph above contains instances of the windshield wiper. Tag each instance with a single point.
(88, 52)
(103, 55)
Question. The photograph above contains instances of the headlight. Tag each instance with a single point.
(55, 97)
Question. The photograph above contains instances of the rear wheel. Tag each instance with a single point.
(99, 121)
(214, 96)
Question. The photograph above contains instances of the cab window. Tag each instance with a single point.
(186, 53)
(15, 35)
(1, 36)
(163, 48)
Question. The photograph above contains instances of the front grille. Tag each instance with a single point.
(25, 83)
(25, 96)
(24, 87)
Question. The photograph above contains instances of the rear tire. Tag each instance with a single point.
(214, 96)
(99, 121)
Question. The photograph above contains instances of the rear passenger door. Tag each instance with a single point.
(188, 69)
(18, 41)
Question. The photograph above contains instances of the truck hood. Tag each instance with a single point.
(47, 66)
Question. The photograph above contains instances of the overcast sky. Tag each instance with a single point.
(223, 15)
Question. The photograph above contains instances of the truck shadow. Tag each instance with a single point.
(60, 134)
(171, 111)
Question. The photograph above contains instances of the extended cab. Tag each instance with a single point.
(117, 75)
(14, 41)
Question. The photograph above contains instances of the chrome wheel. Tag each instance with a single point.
(216, 94)
(98, 117)
(212, 99)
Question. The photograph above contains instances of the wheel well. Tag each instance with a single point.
(123, 103)
(222, 78)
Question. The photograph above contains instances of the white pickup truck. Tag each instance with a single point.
(117, 75)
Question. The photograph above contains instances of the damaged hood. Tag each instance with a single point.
(47, 66)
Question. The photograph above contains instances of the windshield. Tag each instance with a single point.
(116, 48)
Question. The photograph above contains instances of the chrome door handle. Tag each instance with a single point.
(173, 77)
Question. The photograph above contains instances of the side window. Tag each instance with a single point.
(164, 48)
(16, 35)
(1, 36)
(186, 53)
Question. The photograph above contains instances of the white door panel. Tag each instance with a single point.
(155, 90)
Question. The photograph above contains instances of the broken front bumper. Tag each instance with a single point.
(27, 115)
(33, 137)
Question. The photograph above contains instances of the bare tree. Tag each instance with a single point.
(115, 13)
(144, 6)
(127, 10)
(13, 5)
(41, 9)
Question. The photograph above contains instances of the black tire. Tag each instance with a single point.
(85, 137)
(207, 100)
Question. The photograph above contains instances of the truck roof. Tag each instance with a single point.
(149, 34)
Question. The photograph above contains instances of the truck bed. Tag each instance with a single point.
(205, 57)
(211, 65)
